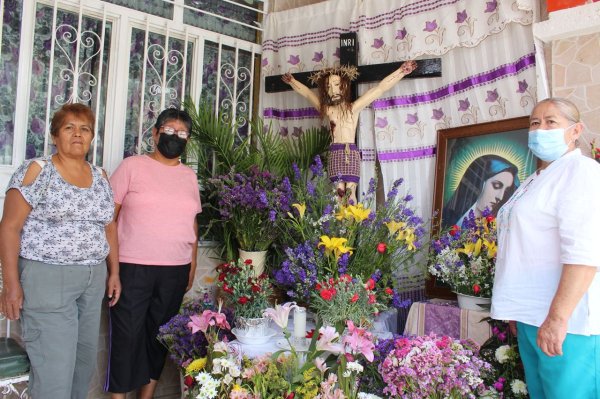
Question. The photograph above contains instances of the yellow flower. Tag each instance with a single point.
(344, 213)
(407, 235)
(471, 248)
(334, 245)
(301, 209)
(394, 226)
(491, 248)
(410, 239)
(195, 366)
(358, 212)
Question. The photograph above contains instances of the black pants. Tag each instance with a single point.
(150, 297)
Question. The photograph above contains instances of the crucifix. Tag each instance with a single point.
(338, 102)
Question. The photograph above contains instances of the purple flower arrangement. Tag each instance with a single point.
(327, 239)
(299, 271)
(465, 257)
(435, 367)
(185, 346)
(252, 203)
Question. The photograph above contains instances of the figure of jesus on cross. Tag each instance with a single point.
(335, 103)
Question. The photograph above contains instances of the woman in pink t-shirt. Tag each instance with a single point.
(157, 201)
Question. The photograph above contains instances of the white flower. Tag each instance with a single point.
(207, 393)
(221, 347)
(354, 367)
(503, 354)
(346, 374)
(227, 379)
(518, 387)
(364, 395)
(203, 378)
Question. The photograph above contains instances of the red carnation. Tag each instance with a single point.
(372, 299)
(389, 291)
(370, 284)
(255, 288)
(188, 381)
(354, 298)
(248, 261)
(222, 276)
(243, 300)
(476, 289)
(381, 247)
(227, 288)
(326, 294)
(490, 218)
(454, 230)
(290, 395)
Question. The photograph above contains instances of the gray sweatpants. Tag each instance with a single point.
(60, 324)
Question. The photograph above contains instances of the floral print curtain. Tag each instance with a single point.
(159, 55)
(154, 7)
(71, 78)
(9, 63)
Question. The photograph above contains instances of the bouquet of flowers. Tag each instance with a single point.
(595, 151)
(213, 375)
(328, 369)
(251, 203)
(326, 239)
(183, 345)
(502, 352)
(435, 367)
(347, 299)
(465, 257)
(247, 294)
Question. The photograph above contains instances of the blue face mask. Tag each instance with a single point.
(548, 145)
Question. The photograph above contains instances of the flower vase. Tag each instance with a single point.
(253, 327)
(258, 258)
(469, 302)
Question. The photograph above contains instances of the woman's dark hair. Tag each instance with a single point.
(471, 184)
(78, 110)
(175, 114)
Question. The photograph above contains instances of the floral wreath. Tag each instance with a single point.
(347, 71)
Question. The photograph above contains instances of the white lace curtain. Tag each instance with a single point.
(488, 74)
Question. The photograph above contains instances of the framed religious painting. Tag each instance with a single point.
(478, 167)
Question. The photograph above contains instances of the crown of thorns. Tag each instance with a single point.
(346, 71)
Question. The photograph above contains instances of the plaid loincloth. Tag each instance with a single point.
(343, 163)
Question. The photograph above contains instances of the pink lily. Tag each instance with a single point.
(207, 319)
(359, 341)
(325, 342)
(280, 313)
(320, 364)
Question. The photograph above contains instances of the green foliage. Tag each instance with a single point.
(216, 148)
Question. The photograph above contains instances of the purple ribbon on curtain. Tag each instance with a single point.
(402, 155)
(291, 113)
(477, 80)
(472, 81)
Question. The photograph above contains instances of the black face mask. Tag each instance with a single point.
(171, 146)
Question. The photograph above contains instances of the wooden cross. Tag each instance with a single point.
(429, 68)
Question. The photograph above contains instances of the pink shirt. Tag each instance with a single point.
(159, 204)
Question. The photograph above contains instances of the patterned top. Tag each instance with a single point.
(66, 224)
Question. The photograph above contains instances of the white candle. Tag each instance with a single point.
(300, 322)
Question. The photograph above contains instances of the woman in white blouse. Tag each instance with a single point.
(546, 279)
